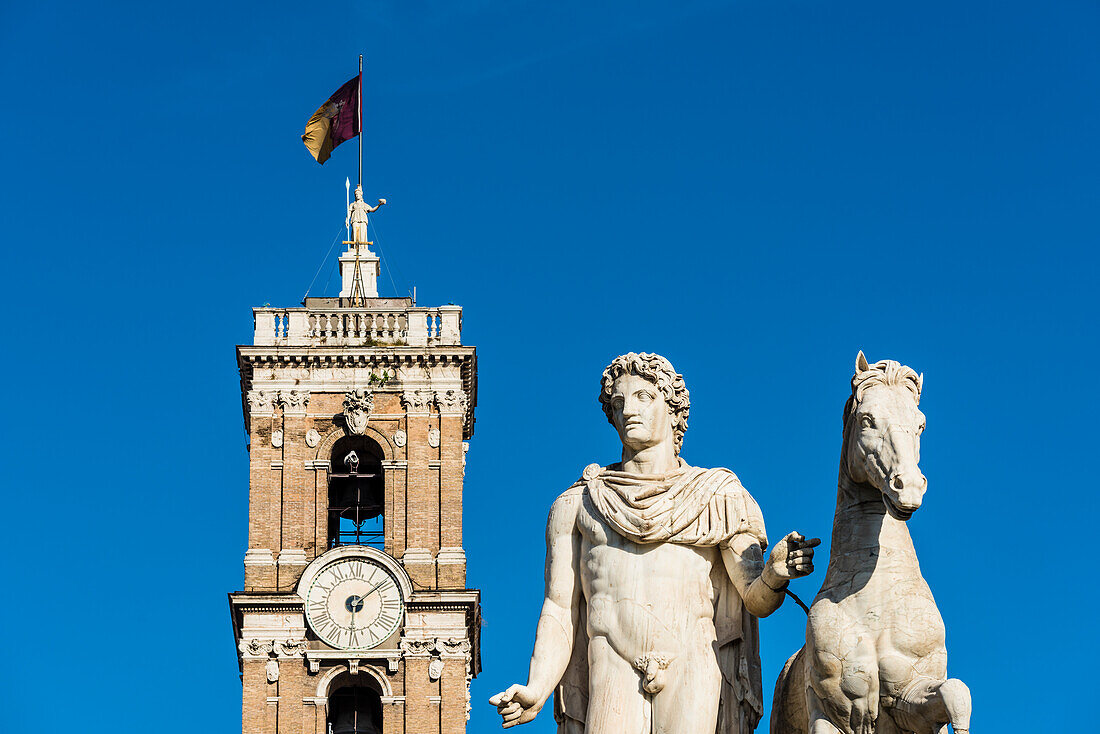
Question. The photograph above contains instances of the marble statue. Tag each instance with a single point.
(874, 659)
(357, 215)
(655, 577)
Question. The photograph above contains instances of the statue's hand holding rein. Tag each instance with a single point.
(792, 558)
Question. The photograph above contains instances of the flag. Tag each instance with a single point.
(334, 122)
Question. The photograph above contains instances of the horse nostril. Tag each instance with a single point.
(898, 482)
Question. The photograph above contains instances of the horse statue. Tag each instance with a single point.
(874, 661)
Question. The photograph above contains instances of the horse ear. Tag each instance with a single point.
(920, 383)
(861, 363)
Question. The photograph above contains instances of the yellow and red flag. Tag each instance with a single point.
(335, 121)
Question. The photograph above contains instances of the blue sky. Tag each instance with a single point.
(756, 190)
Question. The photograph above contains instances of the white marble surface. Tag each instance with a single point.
(875, 659)
(655, 576)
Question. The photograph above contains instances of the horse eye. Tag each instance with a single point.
(868, 421)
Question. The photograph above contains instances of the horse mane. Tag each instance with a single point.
(883, 372)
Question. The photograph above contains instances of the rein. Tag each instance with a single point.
(798, 601)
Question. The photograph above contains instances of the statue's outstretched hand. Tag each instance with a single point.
(517, 705)
(793, 557)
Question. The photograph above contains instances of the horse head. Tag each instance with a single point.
(882, 427)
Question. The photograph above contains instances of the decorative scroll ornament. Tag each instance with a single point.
(400, 438)
(294, 401)
(256, 648)
(435, 669)
(416, 401)
(260, 401)
(451, 401)
(290, 648)
(417, 648)
(453, 647)
(433, 438)
(358, 404)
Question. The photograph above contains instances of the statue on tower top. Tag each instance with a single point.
(357, 216)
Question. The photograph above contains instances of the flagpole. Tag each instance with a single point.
(360, 120)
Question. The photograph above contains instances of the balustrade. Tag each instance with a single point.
(414, 326)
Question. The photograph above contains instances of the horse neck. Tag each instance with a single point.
(861, 521)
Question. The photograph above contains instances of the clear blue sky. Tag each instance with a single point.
(754, 189)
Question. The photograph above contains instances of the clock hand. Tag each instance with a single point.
(375, 588)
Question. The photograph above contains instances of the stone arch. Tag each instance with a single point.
(324, 684)
(324, 448)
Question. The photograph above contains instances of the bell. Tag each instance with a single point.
(353, 721)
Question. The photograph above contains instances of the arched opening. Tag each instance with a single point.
(355, 707)
(356, 493)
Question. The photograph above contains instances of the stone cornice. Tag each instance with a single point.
(251, 357)
(364, 356)
(442, 600)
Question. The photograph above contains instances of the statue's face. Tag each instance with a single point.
(639, 413)
(358, 194)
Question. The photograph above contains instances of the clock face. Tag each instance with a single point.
(353, 603)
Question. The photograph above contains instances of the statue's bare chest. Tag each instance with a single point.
(608, 558)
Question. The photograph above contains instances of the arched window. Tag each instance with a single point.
(356, 493)
(354, 708)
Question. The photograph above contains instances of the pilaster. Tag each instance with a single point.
(451, 560)
(421, 697)
(295, 482)
(259, 565)
(421, 506)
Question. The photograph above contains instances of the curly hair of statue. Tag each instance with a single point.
(660, 372)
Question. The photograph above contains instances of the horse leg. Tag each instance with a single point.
(788, 702)
(886, 723)
(956, 702)
(848, 688)
(818, 721)
(937, 703)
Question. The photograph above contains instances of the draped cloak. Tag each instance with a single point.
(689, 506)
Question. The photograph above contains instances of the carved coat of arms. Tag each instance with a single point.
(358, 405)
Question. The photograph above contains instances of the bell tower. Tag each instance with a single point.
(355, 616)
